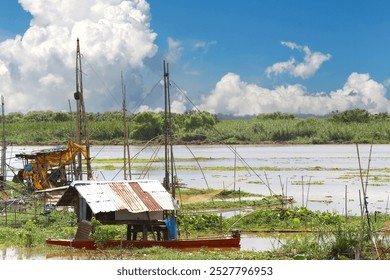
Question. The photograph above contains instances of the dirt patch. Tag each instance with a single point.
(195, 198)
(3, 195)
(386, 227)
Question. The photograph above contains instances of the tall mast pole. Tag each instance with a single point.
(73, 165)
(77, 96)
(166, 126)
(85, 125)
(82, 122)
(4, 148)
(126, 148)
(169, 184)
(173, 189)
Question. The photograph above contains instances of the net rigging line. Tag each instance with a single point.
(240, 158)
(112, 95)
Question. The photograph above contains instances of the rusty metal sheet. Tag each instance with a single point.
(159, 193)
(165, 200)
(146, 198)
(133, 201)
(107, 196)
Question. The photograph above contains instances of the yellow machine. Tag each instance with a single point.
(51, 168)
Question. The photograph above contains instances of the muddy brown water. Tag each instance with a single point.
(321, 177)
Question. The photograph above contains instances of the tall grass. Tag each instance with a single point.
(302, 131)
(243, 131)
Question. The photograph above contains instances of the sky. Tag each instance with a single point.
(225, 57)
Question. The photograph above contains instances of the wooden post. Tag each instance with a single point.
(220, 222)
(303, 194)
(82, 126)
(346, 203)
(166, 82)
(128, 232)
(4, 149)
(6, 214)
(151, 226)
(144, 232)
(126, 148)
(235, 167)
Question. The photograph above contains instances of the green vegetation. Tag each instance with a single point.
(239, 203)
(338, 128)
(317, 235)
(354, 126)
(35, 231)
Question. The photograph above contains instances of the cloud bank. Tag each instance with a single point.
(310, 65)
(37, 68)
(231, 95)
(234, 96)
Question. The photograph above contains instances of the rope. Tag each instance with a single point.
(232, 149)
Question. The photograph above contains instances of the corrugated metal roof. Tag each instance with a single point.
(165, 200)
(151, 186)
(159, 193)
(134, 196)
(146, 197)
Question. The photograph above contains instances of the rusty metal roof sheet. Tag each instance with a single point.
(134, 196)
(158, 192)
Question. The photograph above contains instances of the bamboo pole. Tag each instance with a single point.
(4, 148)
(166, 82)
(346, 203)
(126, 148)
(308, 191)
(303, 194)
(235, 166)
(364, 207)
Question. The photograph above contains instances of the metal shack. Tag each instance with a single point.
(143, 205)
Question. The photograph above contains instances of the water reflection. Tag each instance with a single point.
(260, 244)
(12, 253)
(248, 243)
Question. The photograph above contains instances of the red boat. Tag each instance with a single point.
(228, 242)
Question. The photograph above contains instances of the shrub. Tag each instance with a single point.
(276, 116)
(356, 115)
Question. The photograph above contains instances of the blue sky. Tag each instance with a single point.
(232, 57)
(247, 36)
(13, 19)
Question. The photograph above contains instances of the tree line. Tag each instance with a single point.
(47, 127)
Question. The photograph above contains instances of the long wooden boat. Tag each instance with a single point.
(222, 242)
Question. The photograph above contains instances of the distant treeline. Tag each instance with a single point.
(353, 126)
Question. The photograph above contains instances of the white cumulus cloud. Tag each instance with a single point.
(231, 95)
(175, 50)
(37, 67)
(308, 67)
(204, 46)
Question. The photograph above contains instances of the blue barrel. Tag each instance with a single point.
(172, 228)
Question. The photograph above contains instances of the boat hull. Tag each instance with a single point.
(233, 242)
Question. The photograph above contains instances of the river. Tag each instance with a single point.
(321, 177)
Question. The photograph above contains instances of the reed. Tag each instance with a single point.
(109, 130)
